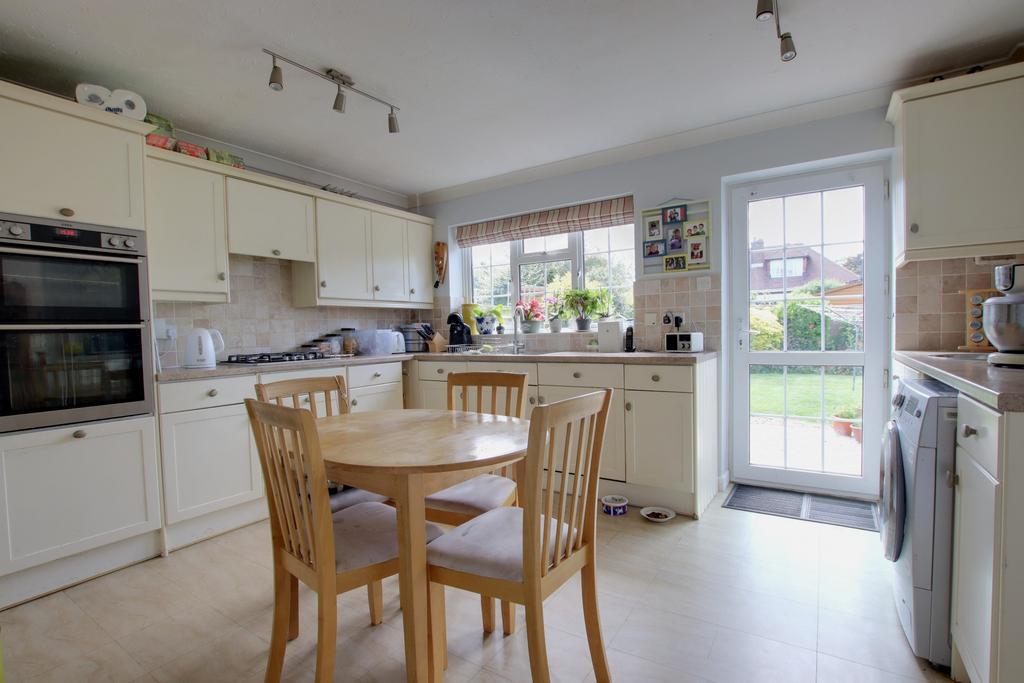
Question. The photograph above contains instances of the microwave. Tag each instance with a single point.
(684, 342)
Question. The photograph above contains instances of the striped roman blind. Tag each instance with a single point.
(600, 214)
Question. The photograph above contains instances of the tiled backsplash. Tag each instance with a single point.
(261, 317)
(929, 307)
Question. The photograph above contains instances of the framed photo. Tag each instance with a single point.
(673, 214)
(674, 264)
(654, 249)
(695, 229)
(698, 251)
(652, 228)
(675, 239)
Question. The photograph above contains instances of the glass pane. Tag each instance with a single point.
(844, 297)
(538, 280)
(801, 267)
(764, 223)
(767, 390)
(803, 444)
(481, 285)
(482, 255)
(803, 218)
(767, 441)
(500, 280)
(596, 268)
(767, 408)
(501, 253)
(623, 268)
(843, 215)
(765, 326)
(535, 245)
(803, 391)
(621, 237)
(531, 281)
(595, 240)
(844, 389)
(622, 302)
(803, 325)
(844, 400)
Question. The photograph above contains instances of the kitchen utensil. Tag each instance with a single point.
(616, 506)
(1003, 317)
(201, 348)
(657, 514)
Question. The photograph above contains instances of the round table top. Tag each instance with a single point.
(421, 440)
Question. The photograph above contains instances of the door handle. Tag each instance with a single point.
(222, 276)
(323, 283)
(376, 288)
(629, 405)
(969, 431)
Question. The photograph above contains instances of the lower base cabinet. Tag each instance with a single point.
(613, 456)
(659, 439)
(381, 397)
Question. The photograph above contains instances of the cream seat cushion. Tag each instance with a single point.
(367, 533)
(489, 545)
(348, 497)
(474, 496)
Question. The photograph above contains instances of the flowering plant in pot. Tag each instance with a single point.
(585, 303)
(533, 315)
(558, 314)
(487, 319)
(843, 420)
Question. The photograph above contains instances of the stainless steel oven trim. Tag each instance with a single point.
(91, 256)
(138, 235)
(76, 326)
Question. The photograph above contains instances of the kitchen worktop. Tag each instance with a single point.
(1001, 388)
(637, 358)
(231, 369)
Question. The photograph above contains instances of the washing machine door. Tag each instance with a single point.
(893, 507)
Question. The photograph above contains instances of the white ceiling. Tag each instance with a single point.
(486, 86)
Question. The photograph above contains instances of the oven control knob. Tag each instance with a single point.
(16, 230)
(113, 241)
(129, 242)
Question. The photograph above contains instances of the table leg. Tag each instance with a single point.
(412, 576)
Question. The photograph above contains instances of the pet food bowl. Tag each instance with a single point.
(615, 506)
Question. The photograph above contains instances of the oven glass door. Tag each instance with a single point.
(68, 288)
(59, 376)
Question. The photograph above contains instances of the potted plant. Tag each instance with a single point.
(533, 315)
(584, 303)
(556, 312)
(856, 431)
(843, 419)
(487, 319)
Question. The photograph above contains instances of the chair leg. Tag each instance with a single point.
(375, 594)
(280, 629)
(293, 608)
(592, 620)
(438, 631)
(508, 617)
(535, 640)
(326, 634)
(487, 612)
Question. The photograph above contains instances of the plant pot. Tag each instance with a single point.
(485, 324)
(555, 324)
(855, 430)
(841, 425)
(531, 326)
(583, 324)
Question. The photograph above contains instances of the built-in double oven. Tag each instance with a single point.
(75, 341)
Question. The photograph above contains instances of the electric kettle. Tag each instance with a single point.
(202, 347)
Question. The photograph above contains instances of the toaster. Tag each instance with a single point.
(684, 342)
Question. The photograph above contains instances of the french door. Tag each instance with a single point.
(809, 272)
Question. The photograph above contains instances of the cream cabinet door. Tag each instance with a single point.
(433, 395)
(343, 251)
(209, 461)
(55, 162)
(974, 537)
(389, 258)
(659, 439)
(187, 233)
(420, 262)
(380, 397)
(266, 221)
(613, 458)
(68, 490)
(962, 155)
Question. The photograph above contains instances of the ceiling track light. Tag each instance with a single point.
(340, 80)
(767, 10)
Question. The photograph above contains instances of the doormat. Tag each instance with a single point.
(810, 506)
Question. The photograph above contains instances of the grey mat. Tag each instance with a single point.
(812, 507)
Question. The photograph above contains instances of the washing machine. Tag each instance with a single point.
(918, 462)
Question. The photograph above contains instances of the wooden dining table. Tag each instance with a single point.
(408, 455)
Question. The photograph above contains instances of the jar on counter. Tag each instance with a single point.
(336, 343)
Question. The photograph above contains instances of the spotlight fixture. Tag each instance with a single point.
(787, 49)
(276, 77)
(341, 82)
(767, 10)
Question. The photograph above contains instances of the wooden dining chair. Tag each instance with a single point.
(495, 393)
(330, 553)
(500, 554)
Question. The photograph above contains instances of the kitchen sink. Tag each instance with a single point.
(960, 356)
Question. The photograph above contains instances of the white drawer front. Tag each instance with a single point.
(374, 375)
(977, 431)
(205, 393)
(597, 375)
(268, 377)
(380, 397)
(659, 378)
(438, 371)
(486, 366)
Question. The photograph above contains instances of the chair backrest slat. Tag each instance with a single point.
(513, 383)
(308, 392)
(567, 436)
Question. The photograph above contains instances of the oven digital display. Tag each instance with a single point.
(66, 232)
(62, 234)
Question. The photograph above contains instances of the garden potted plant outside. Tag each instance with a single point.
(842, 421)
(584, 303)
(533, 316)
(856, 431)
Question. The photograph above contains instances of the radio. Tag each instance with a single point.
(684, 342)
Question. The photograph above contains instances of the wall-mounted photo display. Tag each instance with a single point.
(675, 264)
(698, 253)
(695, 229)
(654, 249)
(652, 228)
(671, 215)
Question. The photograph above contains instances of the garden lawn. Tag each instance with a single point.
(804, 394)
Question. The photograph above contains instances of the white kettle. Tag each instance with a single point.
(202, 347)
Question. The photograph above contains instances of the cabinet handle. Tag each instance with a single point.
(914, 227)
(440, 371)
(222, 276)
(276, 252)
(577, 375)
(323, 283)
(952, 479)
(355, 401)
(540, 399)
(376, 375)
(969, 431)
(376, 288)
(412, 291)
(67, 213)
(655, 378)
(212, 392)
(533, 401)
(629, 405)
(78, 434)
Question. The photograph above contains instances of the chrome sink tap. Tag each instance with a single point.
(517, 319)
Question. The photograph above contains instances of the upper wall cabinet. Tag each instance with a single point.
(390, 274)
(957, 179)
(420, 262)
(267, 221)
(344, 251)
(65, 161)
(187, 235)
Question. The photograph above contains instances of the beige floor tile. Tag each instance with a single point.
(568, 657)
(564, 611)
(626, 668)
(665, 638)
(251, 542)
(235, 656)
(108, 664)
(878, 644)
(742, 658)
(175, 636)
(835, 670)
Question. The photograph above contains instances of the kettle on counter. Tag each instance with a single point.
(202, 347)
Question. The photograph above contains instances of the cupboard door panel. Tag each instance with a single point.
(613, 458)
(433, 395)
(187, 233)
(389, 258)
(381, 397)
(266, 221)
(343, 251)
(659, 439)
(421, 262)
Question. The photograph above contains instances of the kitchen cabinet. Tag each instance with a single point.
(68, 490)
(659, 439)
(613, 457)
(958, 148)
(420, 262)
(376, 397)
(186, 233)
(66, 161)
(343, 252)
(390, 273)
(270, 222)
